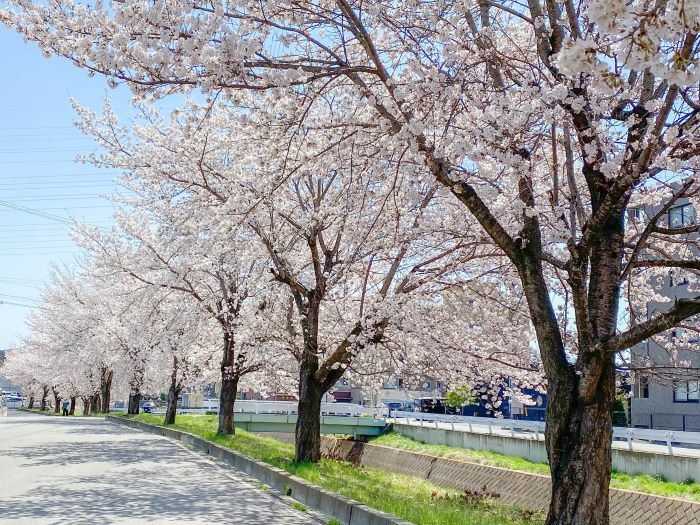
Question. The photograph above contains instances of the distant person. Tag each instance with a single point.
(64, 407)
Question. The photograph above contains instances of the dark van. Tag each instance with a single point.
(432, 405)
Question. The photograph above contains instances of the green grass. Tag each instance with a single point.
(299, 506)
(78, 412)
(483, 457)
(638, 482)
(404, 496)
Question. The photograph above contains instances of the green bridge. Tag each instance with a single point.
(350, 425)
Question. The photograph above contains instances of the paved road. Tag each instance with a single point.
(87, 471)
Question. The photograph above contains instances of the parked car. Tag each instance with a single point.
(147, 407)
(432, 405)
(394, 407)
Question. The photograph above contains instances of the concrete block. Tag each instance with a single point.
(335, 506)
(364, 515)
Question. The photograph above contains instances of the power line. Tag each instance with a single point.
(10, 303)
(25, 235)
(57, 175)
(63, 197)
(21, 298)
(21, 279)
(35, 161)
(35, 127)
(37, 213)
(69, 208)
(13, 186)
(25, 253)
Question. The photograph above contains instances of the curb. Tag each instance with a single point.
(345, 510)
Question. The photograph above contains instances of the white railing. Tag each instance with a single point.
(522, 429)
(472, 423)
(287, 407)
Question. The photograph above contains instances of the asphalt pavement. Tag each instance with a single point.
(76, 470)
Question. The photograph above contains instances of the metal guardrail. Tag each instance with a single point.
(669, 437)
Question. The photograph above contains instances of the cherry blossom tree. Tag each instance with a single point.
(23, 367)
(546, 122)
(351, 248)
(169, 238)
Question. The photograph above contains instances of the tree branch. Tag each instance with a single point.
(683, 309)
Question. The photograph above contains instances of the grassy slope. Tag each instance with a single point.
(404, 496)
(639, 482)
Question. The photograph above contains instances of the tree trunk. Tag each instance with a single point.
(44, 396)
(95, 403)
(135, 390)
(173, 393)
(171, 411)
(308, 429)
(229, 386)
(579, 419)
(106, 389)
(31, 402)
(86, 405)
(134, 402)
(56, 402)
(71, 412)
(579, 451)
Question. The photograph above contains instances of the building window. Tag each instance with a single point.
(426, 385)
(681, 216)
(438, 384)
(685, 392)
(642, 387)
(680, 332)
(678, 277)
(636, 213)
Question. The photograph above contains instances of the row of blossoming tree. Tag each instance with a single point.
(368, 186)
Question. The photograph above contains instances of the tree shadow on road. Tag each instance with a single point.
(141, 496)
(132, 478)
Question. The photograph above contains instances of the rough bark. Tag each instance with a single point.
(31, 402)
(134, 402)
(229, 386)
(579, 420)
(579, 439)
(86, 405)
(95, 403)
(171, 411)
(173, 393)
(106, 389)
(44, 398)
(308, 428)
(57, 402)
(71, 411)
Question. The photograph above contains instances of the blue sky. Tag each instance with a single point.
(38, 144)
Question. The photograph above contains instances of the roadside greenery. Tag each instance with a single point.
(640, 482)
(407, 497)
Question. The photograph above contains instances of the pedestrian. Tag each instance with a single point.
(65, 406)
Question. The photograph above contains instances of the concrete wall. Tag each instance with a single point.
(518, 488)
(673, 468)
